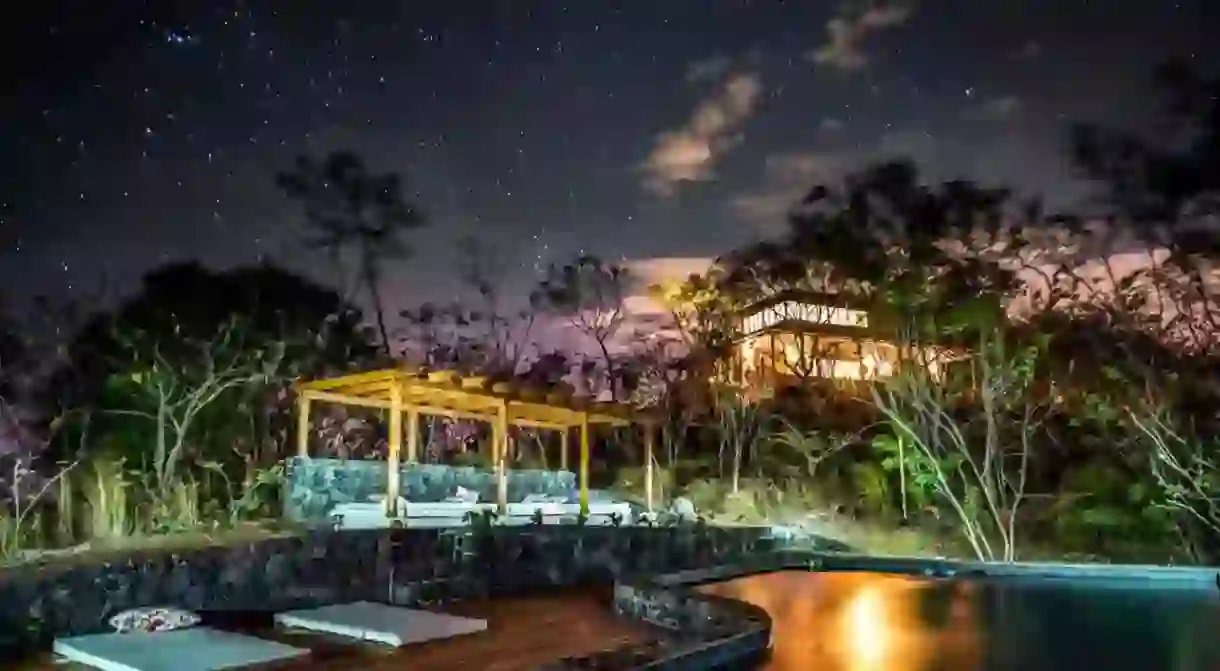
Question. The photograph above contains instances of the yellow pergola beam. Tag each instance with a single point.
(379, 388)
(450, 413)
(500, 435)
(534, 424)
(648, 447)
(343, 399)
(348, 380)
(303, 403)
(395, 448)
(584, 466)
(413, 435)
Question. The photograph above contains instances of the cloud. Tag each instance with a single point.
(689, 153)
(995, 109)
(802, 169)
(831, 125)
(787, 178)
(919, 145)
(642, 274)
(851, 27)
(1028, 51)
(708, 69)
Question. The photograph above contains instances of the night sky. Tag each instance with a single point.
(139, 132)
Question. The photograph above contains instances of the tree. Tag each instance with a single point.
(919, 259)
(320, 335)
(1165, 195)
(507, 335)
(1173, 185)
(13, 356)
(320, 332)
(590, 293)
(439, 336)
(349, 207)
(704, 315)
(741, 426)
(171, 384)
(978, 468)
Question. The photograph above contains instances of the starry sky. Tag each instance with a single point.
(135, 132)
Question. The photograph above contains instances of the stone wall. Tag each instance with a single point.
(40, 602)
(402, 566)
(504, 561)
(315, 486)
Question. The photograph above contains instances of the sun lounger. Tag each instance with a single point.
(380, 623)
(193, 649)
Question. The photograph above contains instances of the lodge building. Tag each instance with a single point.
(792, 338)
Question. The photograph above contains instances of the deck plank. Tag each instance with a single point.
(522, 633)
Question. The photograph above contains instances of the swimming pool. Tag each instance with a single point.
(874, 621)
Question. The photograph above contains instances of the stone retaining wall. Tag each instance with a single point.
(504, 561)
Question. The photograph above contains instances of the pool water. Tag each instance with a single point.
(859, 621)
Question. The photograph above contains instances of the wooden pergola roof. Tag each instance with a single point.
(448, 394)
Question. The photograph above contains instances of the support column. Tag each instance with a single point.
(501, 449)
(648, 438)
(303, 403)
(564, 436)
(412, 436)
(584, 464)
(392, 473)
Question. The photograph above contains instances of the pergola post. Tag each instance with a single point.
(648, 438)
(303, 403)
(584, 463)
(412, 436)
(564, 436)
(500, 436)
(392, 475)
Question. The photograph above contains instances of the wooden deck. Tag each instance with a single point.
(522, 633)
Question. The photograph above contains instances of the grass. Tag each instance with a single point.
(801, 505)
(102, 509)
(100, 552)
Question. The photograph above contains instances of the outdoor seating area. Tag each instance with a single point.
(400, 489)
(351, 494)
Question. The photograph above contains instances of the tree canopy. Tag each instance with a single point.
(350, 207)
(318, 330)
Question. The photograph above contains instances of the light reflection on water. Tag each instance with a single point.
(842, 621)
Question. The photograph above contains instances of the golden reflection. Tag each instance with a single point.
(864, 621)
(867, 630)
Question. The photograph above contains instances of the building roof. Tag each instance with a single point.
(838, 300)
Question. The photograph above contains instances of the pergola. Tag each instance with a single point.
(447, 394)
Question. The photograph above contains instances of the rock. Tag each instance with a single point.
(683, 509)
(466, 495)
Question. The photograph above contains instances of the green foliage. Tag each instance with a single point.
(174, 393)
(1108, 511)
(105, 487)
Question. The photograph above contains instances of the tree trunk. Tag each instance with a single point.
(609, 370)
(371, 281)
(737, 449)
